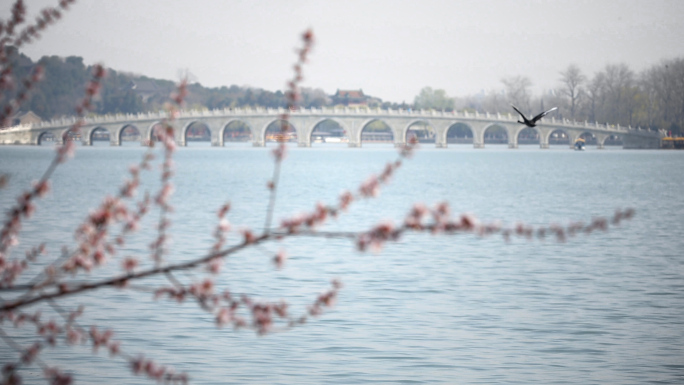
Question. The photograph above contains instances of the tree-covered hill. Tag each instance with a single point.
(65, 78)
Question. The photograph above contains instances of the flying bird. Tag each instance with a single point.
(532, 122)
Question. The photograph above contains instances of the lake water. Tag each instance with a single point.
(601, 309)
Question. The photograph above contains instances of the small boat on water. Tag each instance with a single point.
(579, 144)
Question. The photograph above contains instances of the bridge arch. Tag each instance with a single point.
(97, 133)
(236, 130)
(328, 130)
(196, 131)
(529, 135)
(129, 133)
(273, 129)
(67, 134)
(150, 135)
(47, 137)
(612, 140)
(423, 135)
(377, 130)
(495, 133)
(459, 132)
(559, 136)
(588, 137)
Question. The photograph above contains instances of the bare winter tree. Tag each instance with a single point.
(666, 81)
(677, 68)
(518, 90)
(495, 101)
(648, 80)
(572, 79)
(595, 95)
(619, 81)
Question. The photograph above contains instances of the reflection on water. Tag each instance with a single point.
(430, 309)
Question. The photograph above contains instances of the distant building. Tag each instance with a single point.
(350, 98)
(28, 117)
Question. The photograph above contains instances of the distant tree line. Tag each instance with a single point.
(653, 98)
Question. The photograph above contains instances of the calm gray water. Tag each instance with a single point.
(603, 309)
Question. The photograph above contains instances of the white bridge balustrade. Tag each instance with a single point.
(351, 120)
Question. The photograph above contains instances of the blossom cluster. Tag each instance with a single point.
(48, 334)
(154, 371)
(225, 307)
(439, 220)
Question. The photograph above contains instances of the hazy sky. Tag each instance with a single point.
(390, 49)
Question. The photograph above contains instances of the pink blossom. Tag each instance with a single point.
(56, 377)
(129, 264)
(345, 200)
(415, 217)
(468, 222)
(114, 348)
(224, 210)
(42, 188)
(224, 225)
(280, 259)
(248, 236)
(66, 151)
(223, 317)
(203, 288)
(164, 194)
(31, 353)
(370, 188)
(73, 336)
(215, 265)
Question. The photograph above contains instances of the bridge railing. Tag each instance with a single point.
(19, 127)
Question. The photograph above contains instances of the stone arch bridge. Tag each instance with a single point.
(351, 120)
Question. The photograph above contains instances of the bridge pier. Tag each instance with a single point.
(600, 140)
(512, 145)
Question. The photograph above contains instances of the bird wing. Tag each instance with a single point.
(543, 114)
(518, 111)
